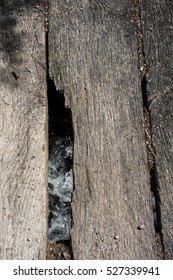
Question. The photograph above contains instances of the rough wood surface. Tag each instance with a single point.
(23, 139)
(158, 45)
(93, 59)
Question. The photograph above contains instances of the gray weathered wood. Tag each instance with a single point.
(23, 139)
(93, 59)
(158, 45)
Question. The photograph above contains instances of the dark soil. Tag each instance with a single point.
(58, 251)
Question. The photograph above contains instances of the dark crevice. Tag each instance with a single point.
(148, 132)
(60, 136)
(144, 91)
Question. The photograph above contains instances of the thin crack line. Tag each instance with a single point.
(143, 67)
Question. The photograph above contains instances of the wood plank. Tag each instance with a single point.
(93, 59)
(158, 44)
(23, 136)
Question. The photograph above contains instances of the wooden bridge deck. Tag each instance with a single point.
(113, 62)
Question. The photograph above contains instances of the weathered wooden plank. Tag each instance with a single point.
(158, 44)
(93, 59)
(23, 139)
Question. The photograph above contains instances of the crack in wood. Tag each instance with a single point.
(144, 69)
(56, 250)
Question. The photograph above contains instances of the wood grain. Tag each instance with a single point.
(93, 59)
(23, 136)
(158, 45)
